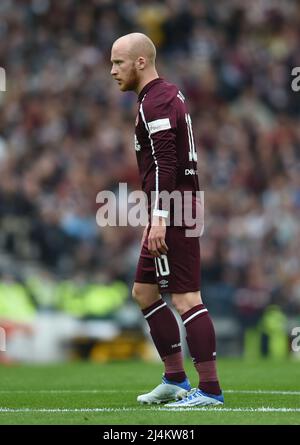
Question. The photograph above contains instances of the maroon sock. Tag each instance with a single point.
(201, 341)
(165, 334)
(174, 370)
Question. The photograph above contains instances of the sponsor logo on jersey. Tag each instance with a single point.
(159, 125)
(190, 171)
(177, 345)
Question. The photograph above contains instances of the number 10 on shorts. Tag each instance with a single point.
(162, 266)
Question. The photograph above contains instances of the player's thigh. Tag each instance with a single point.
(145, 294)
(145, 289)
(178, 272)
(183, 302)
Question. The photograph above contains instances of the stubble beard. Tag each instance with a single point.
(132, 82)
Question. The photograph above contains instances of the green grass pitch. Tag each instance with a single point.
(83, 393)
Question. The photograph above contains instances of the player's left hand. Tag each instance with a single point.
(156, 239)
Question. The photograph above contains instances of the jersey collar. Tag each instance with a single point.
(148, 86)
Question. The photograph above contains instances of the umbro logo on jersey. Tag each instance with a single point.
(190, 171)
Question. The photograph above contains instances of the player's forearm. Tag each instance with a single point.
(165, 157)
(167, 172)
(164, 186)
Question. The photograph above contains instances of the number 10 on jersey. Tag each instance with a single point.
(192, 151)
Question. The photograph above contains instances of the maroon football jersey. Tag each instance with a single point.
(165, 148)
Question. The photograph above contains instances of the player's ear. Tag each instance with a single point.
(141, 62)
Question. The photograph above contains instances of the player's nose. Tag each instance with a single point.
(113, 71)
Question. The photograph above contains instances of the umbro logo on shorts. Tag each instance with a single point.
(163, 283)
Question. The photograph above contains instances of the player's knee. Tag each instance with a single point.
(136, 293)
(139, 295)
(180, 305)
(185, 302)
(144, 294)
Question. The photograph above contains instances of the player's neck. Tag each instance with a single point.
(151, 76)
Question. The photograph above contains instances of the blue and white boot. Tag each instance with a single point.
(196, 397)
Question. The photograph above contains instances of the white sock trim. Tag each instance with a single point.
(194, 315)
(154, 310)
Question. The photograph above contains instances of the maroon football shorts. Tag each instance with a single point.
(176, 272)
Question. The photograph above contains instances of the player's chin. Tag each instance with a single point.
(123, 86)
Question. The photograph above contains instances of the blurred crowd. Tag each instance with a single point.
(66, 133)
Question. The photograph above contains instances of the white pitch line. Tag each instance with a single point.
(68, 391)
(124, 409)
(242, 410)
(262, 391)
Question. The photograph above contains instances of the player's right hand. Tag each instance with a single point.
(156, 239)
